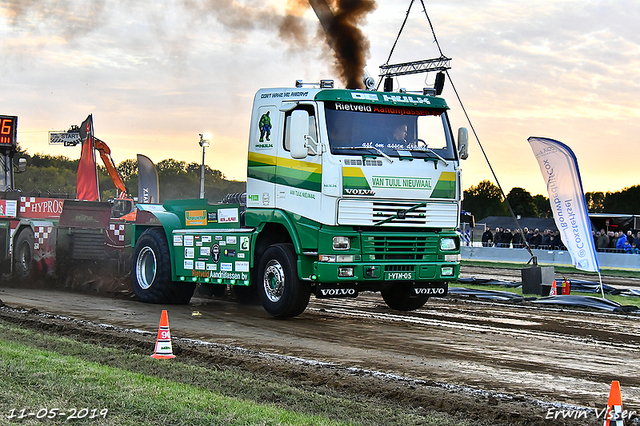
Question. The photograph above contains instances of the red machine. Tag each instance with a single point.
(46, 236)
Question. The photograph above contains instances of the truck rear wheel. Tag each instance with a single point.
(23, 267)
(151, 271)
(402, 297)
(282, 294)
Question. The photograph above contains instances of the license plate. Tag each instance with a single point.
(399, 276)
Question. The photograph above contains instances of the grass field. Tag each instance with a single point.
(49, 375)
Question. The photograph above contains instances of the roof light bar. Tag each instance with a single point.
(324, 84)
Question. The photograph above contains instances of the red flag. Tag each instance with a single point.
(87, 179)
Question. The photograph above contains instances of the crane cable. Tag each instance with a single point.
(475, 134)
(396, 41)
(400, 32)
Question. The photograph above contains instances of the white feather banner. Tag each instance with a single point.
(559, 168)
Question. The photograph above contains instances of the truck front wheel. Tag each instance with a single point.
(282, 294)
(402, 297)
(151, 271)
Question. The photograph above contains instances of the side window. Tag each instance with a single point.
(313, 130)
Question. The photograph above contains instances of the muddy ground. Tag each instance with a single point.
(493, 363)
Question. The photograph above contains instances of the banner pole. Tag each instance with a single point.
(601, 286)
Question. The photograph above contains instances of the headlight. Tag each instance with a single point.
(341, 243)
(345, 272)
(448, 244)
(345, 258)
(446, 271)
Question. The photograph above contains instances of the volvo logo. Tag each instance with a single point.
(431, 291)
(350, 191)
(337, 292)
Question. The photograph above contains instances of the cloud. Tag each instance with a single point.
(157, 74)
(68, 18)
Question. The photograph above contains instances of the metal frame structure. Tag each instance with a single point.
(415, 67)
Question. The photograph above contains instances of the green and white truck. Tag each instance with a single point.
(347, 191)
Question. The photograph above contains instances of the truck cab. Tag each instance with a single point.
(364, 185)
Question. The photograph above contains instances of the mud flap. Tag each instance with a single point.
(326, 291)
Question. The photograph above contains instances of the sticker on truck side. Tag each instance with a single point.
(195, 217)
(227, 215)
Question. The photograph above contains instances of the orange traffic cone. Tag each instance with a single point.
(554, 289)
(613, 416)
(163, 342)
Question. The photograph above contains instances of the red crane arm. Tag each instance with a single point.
(105, 155)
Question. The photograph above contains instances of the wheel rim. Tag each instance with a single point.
(24, 256)
(273, 281)
(146, 268)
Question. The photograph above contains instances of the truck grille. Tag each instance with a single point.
(399, 247)
(367, 213)
(399, 268)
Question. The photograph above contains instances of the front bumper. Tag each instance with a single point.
(329, 272)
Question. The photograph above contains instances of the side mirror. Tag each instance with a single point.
(298, 133)
(22, 165)
(463, 143)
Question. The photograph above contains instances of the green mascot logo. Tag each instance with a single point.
(265, 126)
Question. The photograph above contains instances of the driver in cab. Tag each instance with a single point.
(399, 137)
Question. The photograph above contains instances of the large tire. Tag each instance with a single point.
(151, 271)
(23, 267)
(282, 294)
(401, 297)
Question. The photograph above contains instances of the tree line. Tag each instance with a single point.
(55, 176)
(485, 199)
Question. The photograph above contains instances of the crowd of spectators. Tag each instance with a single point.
(547, 240)
(604, 241)
(617, 242)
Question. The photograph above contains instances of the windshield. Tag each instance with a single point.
(390, 130)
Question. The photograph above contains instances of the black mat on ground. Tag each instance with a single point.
(489, 281)
(585, 302)
(504, 296)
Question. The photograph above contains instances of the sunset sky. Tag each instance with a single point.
(155, 74)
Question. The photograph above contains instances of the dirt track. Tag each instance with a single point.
(500, 363)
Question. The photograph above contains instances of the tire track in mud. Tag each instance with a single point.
(533, 346)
